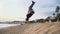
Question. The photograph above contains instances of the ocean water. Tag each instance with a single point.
(7, 25)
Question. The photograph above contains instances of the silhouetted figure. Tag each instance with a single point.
(57, 9)
(30, 11)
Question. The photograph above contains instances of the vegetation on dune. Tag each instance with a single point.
(54, 18)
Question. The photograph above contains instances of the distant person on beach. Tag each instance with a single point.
(57, 9)
(30, 11)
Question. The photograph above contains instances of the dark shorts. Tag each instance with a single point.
(29, 15)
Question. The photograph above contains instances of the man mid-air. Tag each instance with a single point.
(30, 11)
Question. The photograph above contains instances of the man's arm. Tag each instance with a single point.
(32, 5)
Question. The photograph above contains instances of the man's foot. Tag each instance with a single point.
(33, 2)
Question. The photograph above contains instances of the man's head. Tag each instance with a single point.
(27, 19)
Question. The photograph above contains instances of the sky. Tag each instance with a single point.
(17, 9)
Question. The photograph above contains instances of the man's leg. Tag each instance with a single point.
(28, 16)
(32, 5)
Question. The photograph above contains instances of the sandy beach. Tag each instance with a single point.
(33, 28)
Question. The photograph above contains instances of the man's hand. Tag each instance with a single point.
(33, 2)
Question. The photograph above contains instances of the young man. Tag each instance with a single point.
(30, 11)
